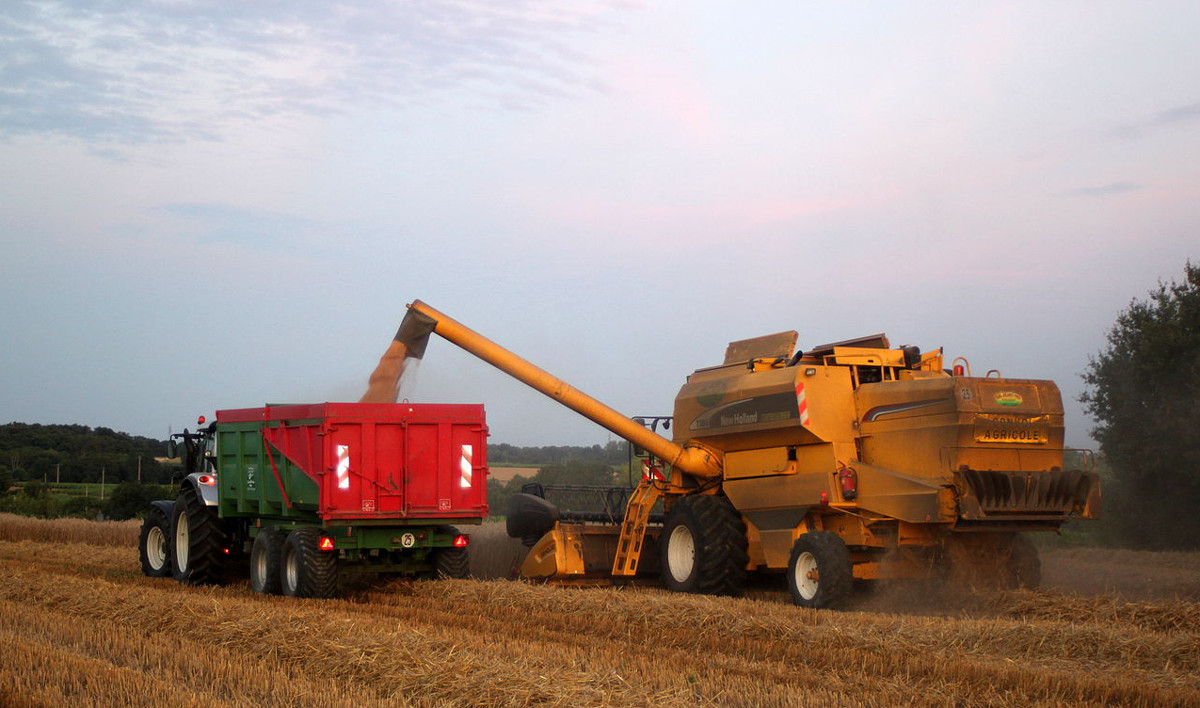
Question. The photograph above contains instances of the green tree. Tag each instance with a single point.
(1144, 392)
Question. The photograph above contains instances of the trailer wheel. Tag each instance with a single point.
(1024, 567)
(306, 571)
(450, 562)
(265, 557)
(819, 572)
(704, 547)
(154, 543)
(198, 552)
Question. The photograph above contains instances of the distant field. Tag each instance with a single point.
(80, 626)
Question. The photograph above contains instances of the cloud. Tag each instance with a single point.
(142, 71)
(1107, 190)
(1179, 115)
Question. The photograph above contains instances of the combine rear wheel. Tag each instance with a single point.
(819, 572)
(307, 571)
(153, 543)
(198, 552)
(265, 557)
(704, 547)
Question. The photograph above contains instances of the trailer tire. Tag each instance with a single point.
(154, 542)
(703, 547)
(450, 562)
(305, 570)
(820, 575)
(1024, 567)
(198, 550)
(265, 557)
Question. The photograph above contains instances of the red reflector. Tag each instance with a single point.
(461, 541)
(207, 479)
(326, 544)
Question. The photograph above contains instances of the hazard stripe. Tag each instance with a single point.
(343, 466)
(801, 403)
(464, 466)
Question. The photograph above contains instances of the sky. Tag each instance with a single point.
(213, 205)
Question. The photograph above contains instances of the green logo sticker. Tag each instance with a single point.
(1009, 398)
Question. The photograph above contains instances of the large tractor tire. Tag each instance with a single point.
(307, 571)
(820, 575)
(198, 548)
(265, 558)
(1023, 568)
(154, 542)
(703, 547)
(450, 562)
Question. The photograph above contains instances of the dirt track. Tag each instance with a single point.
(79, 625)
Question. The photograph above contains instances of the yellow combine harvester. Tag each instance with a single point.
(851, 461)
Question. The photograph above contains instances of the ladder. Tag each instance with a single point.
(633, 528)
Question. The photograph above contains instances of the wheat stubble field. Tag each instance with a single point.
(80, 626)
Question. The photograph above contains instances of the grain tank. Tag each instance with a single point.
(295, 493)
(850, 461)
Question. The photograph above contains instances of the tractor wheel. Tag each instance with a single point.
(265, 557)
(305, 570)
(450, 562)
(703, 547)
(1024, 567)
(819, 572)
(154, 544)
(198, 551)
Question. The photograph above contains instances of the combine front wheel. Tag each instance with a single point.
(819, 572)
(704, 547)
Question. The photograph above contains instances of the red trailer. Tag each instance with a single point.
(305, 489)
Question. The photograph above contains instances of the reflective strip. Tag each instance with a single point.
(464, 466)
(802, 404)
(343, 466)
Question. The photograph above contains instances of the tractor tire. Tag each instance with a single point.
(450, 562)
(703, 547)
(305, 570)
(1024, 568)
(265, 557)
(198, 550)
(820, 575)
(154, 545)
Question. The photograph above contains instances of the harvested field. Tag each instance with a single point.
(80, 626)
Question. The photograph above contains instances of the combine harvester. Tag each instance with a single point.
(851, 461)
(306, 490)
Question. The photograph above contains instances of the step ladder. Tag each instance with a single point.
(633, 528)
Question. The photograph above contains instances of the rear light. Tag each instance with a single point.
(958, 370)
(199, 421)
(207, 479)
(461, 541)
(325, 544)
(824, 498)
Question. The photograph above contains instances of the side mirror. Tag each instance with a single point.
(172, 448)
